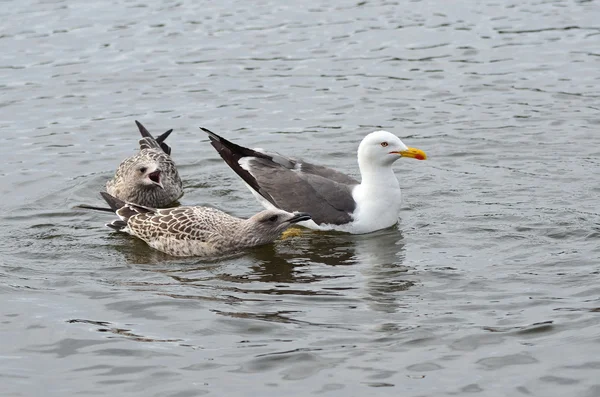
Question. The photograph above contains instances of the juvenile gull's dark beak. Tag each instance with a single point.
(299, 217)
(155, 177)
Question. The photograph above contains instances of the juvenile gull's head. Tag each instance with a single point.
(267, 225)
(145, 174)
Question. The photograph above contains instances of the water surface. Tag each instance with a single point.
(488, 286)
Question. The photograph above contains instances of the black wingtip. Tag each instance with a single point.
(143, 130)
(91, 207)
(113, 202)
(217, 138)
(117, 225)
(161, 138)
(211, 135)
(161, 141)
(232, 153)
(219, 143)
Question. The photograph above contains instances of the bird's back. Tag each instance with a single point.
(185, 231)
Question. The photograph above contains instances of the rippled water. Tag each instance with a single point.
(489, 285)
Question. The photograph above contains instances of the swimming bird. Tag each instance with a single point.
(335, 200)
(198, 231)
(150, 177)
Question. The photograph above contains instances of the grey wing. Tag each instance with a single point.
(180, 223)
(328, 173)
(309, 168)
(290, 184)
(327, 200)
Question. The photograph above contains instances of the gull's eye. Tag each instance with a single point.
(143, 170)
(273, 218)
(384, 144)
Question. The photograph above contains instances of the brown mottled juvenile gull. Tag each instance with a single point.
(335, 200)
(148, 178)
(199, 231)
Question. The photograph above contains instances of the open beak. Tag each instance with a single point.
(299, 217)
(413, 153)
(155, 178)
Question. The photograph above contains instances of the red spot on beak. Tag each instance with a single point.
(419, 157)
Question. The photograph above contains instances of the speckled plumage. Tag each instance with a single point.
(199, 231)
(148, 178)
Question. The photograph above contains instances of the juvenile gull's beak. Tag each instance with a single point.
(413, 153)
(155, 178)
(299, 217)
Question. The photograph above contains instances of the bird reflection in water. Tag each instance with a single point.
(378, 257)
(382, 256)
(368, 267)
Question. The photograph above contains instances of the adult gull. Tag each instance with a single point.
(335, 201)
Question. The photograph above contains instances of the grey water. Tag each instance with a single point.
(489, 285)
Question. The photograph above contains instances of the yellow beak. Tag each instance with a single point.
(413, 153)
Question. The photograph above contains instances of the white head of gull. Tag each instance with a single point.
(335, 200)
(378, 196)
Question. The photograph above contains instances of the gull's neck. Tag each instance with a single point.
(377, 197)
(241, 231)
(247, 235)
(378, 176)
